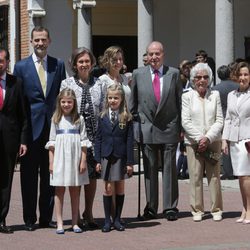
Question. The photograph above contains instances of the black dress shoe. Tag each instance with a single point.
(5, 229)
(106, 228)
(118, 226)
(29, 227)
(171, 215)
(47, 224)
(149, 215)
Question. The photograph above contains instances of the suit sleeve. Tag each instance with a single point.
(133, 101)
(98, 139)
(23, 115)
(130, 144)
(215, 129)
(187, 124)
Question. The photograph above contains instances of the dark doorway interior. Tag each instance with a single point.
(4, 26)
(127, 43)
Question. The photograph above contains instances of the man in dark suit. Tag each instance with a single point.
(224, 87)
(156, 105)
(42, 76)
(13, 133)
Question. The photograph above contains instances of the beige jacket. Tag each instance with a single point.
(201, 116)
(237, 121)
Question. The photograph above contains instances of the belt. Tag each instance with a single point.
(67, 131)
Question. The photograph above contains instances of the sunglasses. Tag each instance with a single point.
(205, 77)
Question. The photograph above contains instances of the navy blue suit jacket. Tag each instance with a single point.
(114, 140)
(41, 107)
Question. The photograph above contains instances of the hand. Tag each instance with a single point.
(224, 147)
(203, 144)
(22, 150)
(130, 170)
(51, 168)
(83, 166)
(98, 168)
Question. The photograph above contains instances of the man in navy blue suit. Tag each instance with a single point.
(41, 75)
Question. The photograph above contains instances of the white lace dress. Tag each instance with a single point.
(68, 140)
(106, 81)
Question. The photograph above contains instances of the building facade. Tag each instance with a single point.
(218, 26)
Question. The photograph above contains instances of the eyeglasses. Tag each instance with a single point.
(205, 77)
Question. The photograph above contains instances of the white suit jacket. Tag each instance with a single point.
(237, 121)
(201, 116)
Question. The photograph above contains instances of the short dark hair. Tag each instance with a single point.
(78, 52)
(39, 29)
(202, 53)
(7, 56)
(223, 72)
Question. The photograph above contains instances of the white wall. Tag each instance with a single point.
(59, 21)
(241, 25)
(185, 27)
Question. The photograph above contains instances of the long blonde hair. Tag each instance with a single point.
(124, 114)
(57, 116)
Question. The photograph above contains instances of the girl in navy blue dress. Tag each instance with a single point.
(114, 152)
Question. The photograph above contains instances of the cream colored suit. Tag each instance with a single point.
(203, 117)
(237, 121)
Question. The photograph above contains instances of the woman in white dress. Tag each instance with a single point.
(236, 133)
(113, 61)
(89, 98)
(67, 156)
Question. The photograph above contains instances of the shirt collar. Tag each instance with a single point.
(37, 59)
(3, 77)
(160, 70)
(116, 111)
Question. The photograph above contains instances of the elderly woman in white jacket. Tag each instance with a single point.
(202, 121)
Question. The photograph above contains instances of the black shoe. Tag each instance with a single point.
(47, 224)
(149, 215)
(118, 226)
(5, 229)
(29, 227)
(91, 225)
(106, 228)
(171, 215)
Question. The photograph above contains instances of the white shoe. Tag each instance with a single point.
(197, 217)
(217, 216)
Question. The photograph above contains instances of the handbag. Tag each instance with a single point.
(210, 156)
(247, 145)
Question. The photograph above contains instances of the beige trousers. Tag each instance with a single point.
(196, 167)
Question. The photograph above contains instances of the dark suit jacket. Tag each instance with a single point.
(41, 107)
(112, 140)
(13, 120)
(224, 87)
(160, 123)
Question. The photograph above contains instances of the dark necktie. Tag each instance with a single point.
(156, 86)
(1, 94)
(113, 118)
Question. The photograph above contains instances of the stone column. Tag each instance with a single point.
(36, 13)
(84, 31)
(145, 27)
(12, 34)
(224, 33)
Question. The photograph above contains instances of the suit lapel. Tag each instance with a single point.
(165, 87)
(7, 90)
(33, 75)
(149, 85)
(51, 69)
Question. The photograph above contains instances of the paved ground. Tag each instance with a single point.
(154, 234)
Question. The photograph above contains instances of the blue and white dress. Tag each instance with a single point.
(68, 139)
